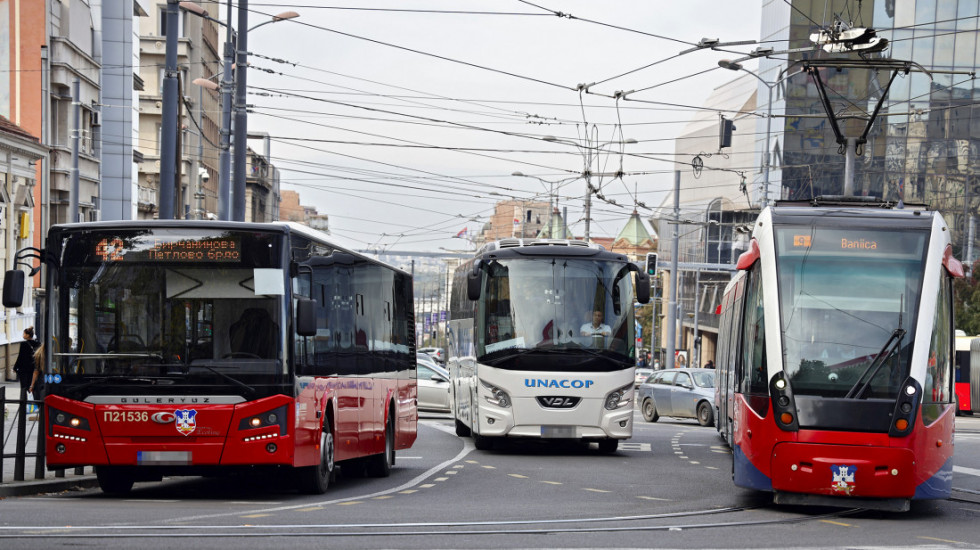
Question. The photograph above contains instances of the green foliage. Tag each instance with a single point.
(966, 302)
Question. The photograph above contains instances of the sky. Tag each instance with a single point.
(403, 121)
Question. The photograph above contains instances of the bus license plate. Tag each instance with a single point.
(163, 458)
(559, 431)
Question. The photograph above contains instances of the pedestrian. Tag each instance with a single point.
(710, 364)
(24, 366)
(36, 388)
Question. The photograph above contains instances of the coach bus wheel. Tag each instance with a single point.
(317, 478)
(482, 443)
(649, 411)
(114, 481)
(608, 445)
(380, 465)
(461, 429)
(705, 415)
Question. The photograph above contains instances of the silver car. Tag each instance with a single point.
(680, 393)
(433, 385)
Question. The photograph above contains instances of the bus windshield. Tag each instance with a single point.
(844, 294)
(155, 309)
(556, 306)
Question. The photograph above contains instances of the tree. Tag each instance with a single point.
(966, 301)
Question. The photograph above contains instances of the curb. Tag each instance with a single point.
(26, 488)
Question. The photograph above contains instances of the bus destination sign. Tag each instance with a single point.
(163, 249)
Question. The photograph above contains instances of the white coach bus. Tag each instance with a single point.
(541, 342)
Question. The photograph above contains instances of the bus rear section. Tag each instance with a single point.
(541, 343)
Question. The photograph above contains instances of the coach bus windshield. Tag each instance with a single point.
(146, 310)
(843, 293)
(557, 306)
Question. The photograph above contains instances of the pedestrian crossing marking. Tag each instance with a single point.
(635, 447)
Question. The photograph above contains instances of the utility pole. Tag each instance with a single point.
(241, 115)
(672, 303)
(76, 101)
(168, 128)
(224, 157)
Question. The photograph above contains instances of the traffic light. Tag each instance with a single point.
(651, 263)
(725, 129)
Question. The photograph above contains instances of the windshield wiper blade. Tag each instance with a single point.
(111, 378)
(252, 391)
(887, 350)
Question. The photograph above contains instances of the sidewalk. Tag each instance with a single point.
(49, 482)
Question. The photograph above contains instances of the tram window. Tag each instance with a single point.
(754, 376)
(936, 389)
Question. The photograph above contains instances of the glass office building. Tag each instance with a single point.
(923, 148)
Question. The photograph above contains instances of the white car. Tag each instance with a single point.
(642, 375)
(433, 385)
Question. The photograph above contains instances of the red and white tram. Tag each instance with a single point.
(835, 355)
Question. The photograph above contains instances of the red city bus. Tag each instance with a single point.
(200, 348)
(965, 404)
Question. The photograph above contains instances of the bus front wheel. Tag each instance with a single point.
(316, 479)
(482, 443)
(462, 430)
(114, 481)
(608, 445)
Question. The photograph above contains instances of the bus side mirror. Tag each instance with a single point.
(642, 287)
(13, 288)
(474, 280)
(305, 317)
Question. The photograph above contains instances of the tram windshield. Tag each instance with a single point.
(844, 294)
(158, 308)
(556, 314)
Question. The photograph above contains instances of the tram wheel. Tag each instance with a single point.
(705, 414)
(649, 410)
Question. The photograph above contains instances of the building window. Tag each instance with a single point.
(181, 22)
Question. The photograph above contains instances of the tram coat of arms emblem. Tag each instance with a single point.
(843, 482)
(185, 420)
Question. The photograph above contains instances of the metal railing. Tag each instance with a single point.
(20, 455)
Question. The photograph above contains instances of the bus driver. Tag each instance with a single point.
(596, 331)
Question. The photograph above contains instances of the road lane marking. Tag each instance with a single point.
(552, 482)
(944, 540)
(349, 503)
(487, 466)
(250, 516)
(967, 471)
(383, 497)
(427, 485)
(635, 447)
(842, 524)
(595, 490)
(310, 509)
(440, 479)
(518, 476)
(451, 472)
(407, 491)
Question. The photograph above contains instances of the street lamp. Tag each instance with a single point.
(587, 173)
(228, 82)
(736, 66)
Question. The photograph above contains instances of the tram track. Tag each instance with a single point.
(638, 523)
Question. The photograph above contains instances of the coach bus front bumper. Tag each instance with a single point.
(587, 420)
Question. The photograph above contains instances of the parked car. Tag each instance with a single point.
(642, 375)
(436, 353)
(433, 385)
(680, 393)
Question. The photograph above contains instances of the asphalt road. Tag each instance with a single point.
(668, 487)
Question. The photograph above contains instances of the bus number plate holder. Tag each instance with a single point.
(564, 432)
(163, 458)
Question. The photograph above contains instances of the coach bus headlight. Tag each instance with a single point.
(497, 396)
(619, 398)
(61, 418)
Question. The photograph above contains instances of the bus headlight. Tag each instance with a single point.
(497, 396)
(619, 398)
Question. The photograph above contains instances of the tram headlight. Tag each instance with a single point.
(619, 398)
(497, 396)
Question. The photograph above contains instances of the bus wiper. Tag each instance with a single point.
(886, 352)
(112, 378)
(251, 391)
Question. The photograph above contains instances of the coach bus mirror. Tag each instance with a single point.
(642, 287)
(13, 288)
(474, 282)
(305, 317)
